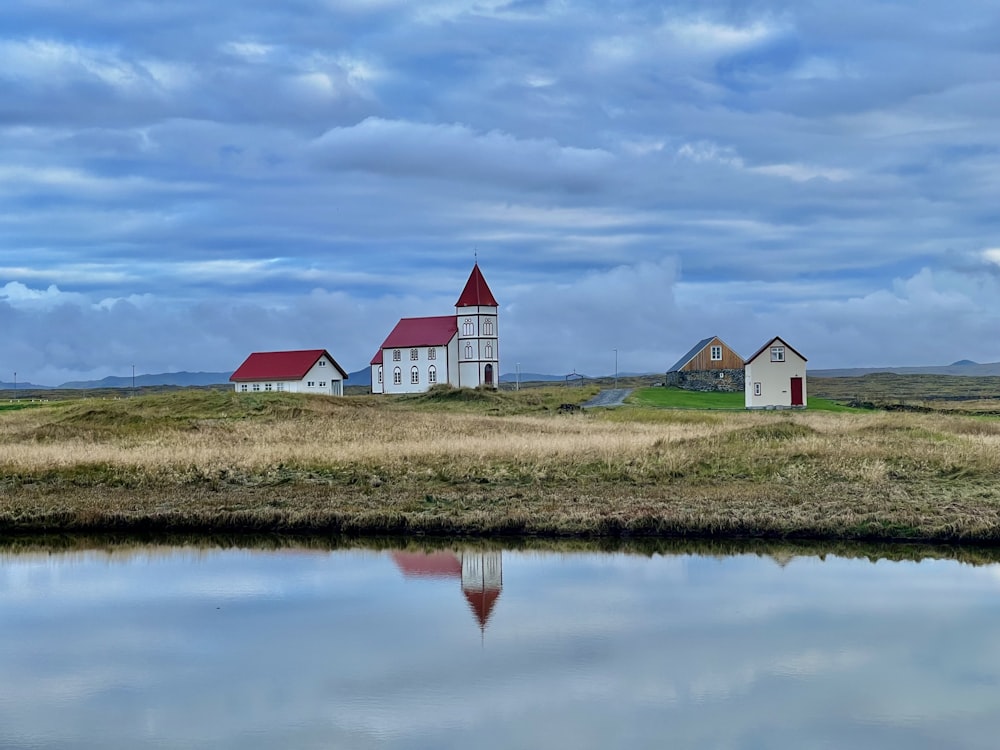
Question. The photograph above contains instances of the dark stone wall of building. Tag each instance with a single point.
(707, 380)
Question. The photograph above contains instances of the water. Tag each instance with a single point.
(176, 647)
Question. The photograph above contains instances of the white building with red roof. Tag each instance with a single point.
(461, 350)
(304, 371)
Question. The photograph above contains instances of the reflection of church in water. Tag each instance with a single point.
(481, 574)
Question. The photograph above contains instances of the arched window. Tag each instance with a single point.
(488, 350)
(468, 350)
(380, 374)
(432, 375)
(397, 376)
(414, 375)
(488, 327)
(468, 327)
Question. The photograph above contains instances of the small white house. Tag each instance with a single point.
(775, 377)
(305, 371)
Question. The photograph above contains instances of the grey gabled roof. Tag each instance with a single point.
(691, 354)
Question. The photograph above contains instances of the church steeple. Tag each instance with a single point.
(478, 333)
(477, 292)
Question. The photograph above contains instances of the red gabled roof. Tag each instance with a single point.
(282, 365)
(436, 331)
(477, 291)
(769, 344)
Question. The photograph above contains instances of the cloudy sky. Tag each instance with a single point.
(182, 183)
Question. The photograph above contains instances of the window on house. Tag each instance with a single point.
(756, 389)
(322, 363)
(380, 375)
(777, 354)
(243, 387)
(397, 376)
(280, 386)
(468, 327)
(716, 353)
(488, 327)
(432, 353)
(488, 349)
(414, 355)
(432, 375)
(396, 355)
(322, 384)
(468, 350)
(268, 386)
(414, 375)
(256, 386)
(310, 384)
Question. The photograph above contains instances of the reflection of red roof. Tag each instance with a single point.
(482, 603)
(436, 331)
(477, 291)
(428, 564)
(282, 365)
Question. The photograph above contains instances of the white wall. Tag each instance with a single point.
(774, 379)
(423, 363)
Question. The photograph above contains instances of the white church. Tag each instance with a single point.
(460, 349)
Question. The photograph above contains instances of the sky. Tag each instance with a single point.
(183, 183)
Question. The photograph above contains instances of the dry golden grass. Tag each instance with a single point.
(369, 464)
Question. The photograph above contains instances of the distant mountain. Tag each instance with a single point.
(163, 378)
(965, 367)
(360, 377)
(23, 386)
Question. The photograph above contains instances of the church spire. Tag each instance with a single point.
(477, 292)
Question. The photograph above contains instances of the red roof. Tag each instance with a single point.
(282, 365)
(428, 564)
(436, 331)
(477, 291)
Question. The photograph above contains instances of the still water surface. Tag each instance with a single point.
(182, 648)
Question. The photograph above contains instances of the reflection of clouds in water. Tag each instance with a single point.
(325, 645)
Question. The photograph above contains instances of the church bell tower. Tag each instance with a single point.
(478, 334)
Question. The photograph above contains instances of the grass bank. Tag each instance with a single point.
(487, 464)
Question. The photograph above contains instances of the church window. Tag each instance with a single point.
(414, 375)
(380, 375)
(488, 327)
(243, 387)
(396, 355)
(311, 384)
(432, 375)
(267, 386)
(256, 386)
(468, 350)
(414, 355)
(397, 376)
(488, 350)
(468, 327)
(432, 353)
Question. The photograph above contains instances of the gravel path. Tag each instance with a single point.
(610, 397)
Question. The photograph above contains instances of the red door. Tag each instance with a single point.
(797, 392)
(489, 377)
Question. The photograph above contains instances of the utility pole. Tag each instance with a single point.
(133, 381)
(15, 386)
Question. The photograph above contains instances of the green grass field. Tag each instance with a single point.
(675, 398)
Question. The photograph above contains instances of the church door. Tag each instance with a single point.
(488, 374)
